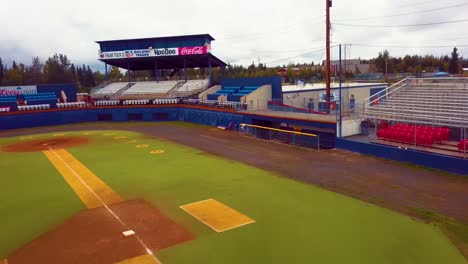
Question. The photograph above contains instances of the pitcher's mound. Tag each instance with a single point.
(45, 144)
(95, 236)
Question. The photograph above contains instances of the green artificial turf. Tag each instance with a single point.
(295, 222)
(34, 198)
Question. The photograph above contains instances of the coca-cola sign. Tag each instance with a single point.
(199, 50)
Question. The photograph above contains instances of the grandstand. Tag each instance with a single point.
(151, 88)
(236, 97)
(191, 87)
(113, 88)
(424, 114)
(421, 102)
(8, 102)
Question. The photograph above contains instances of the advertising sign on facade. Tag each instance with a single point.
(150, 52)
(15, 90)
(200, 50)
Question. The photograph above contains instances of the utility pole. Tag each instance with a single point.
(327, 69)
(386, 70)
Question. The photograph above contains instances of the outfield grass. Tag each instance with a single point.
(295, 222)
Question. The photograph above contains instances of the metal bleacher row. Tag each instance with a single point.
(444, 105)
(161, 88)
(71, 105)
(140, 88)
(33, 107)
(135, 102)
(216, 103)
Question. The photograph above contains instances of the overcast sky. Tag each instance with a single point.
(269, 31)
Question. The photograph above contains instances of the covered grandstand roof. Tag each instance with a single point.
(174, 52)
(208, 36)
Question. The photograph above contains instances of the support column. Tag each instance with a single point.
(210, 77)
(185, 70)
(341, 101)
(156, 72)
(128, 72)
(107, 74)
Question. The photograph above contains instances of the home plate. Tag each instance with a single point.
(128, 233)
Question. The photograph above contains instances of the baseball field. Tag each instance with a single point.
(68, 194)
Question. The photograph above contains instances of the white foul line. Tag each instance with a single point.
(104, 204)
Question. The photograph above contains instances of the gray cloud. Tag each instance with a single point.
(245, 30)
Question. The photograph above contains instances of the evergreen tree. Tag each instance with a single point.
(454, 64)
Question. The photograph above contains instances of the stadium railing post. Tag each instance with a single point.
(318, 142)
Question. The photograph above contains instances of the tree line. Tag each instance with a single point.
(385, 63)
(59, 69)
(55, 70)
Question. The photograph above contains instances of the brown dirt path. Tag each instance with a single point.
(390, 184)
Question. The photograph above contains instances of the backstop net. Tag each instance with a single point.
(281, 135)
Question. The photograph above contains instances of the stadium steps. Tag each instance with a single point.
(121, 91)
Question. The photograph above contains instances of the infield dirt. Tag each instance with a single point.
(94, 236)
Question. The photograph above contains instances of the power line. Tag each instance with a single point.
(404, 14)
(408, 47)
(289, 27)
(417, 3)
(300, 55)
(397, 26)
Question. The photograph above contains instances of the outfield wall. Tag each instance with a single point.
(210, 117)
(430, 160)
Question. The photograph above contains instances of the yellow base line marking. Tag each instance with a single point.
(68, 165)
(144, 259)
(59, 161)
(184, 207)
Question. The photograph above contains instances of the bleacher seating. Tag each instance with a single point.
(228, 90)
(143, 88)
(8, 101)
(233, 105)
(236, 97)
(191, 101)
(424, 104)
(410, 134)
(5, 109)
(107, 103)
(112, 88)
(165, 101)
(463, 145)
(33, 107)
(136, 102)
(40, 99)
(193, 85)
(208, 102)
(71, 105)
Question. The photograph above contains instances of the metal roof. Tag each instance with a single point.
(158, 38)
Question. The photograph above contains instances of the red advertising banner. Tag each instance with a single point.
(199, 50)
